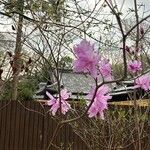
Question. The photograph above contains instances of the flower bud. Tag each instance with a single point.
(127, 49)
(1, 71)
(26, 69)
(22, 67)
(9, 53)
(137, 49)
(29, 61)
(11, 62)
(141, 30)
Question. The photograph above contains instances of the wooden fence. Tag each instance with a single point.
(23, 127)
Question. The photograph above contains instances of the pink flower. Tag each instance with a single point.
(100, 101)
(64, 94)
(143, 82)
(55, 103)
(134, 66)
(87, 60)
(105, 68)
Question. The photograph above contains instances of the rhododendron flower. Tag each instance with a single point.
(143, 82)
(87, 59)
(55, 102)
(100, 101)
(134, 66)
(105, 68)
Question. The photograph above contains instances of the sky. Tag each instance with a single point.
(5, 24)
(145, 5)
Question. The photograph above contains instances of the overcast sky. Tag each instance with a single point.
(5, 25)
(130, 4)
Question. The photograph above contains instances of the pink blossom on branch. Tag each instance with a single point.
(134, 66)
(143, 82)
(55, 102)
(105, 69)
(86, 58)
(100, 101)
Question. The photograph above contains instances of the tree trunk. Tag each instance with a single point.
(17, 56)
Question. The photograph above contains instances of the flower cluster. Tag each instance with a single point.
(134, 66)
(100, 101)
(88, 61)
(105, 69)
(143, 82)
(55, 102)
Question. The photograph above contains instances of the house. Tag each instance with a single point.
(79, 85)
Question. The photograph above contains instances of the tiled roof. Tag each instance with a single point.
(77, 83)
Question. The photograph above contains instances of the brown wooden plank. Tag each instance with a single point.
(35, 138)
(16, 131)
(0, 119)
(26, 126)
(44, 138)
(3, 125)
(67, 136)
(35, 132)
(13, 124)
(74, 141)
(21, 110)
(57, 140)
(31, 127)
(63, 137)
(8, 125)
(41, 124)
(39, 135)
(47, 133)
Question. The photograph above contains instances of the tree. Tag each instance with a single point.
(16, 61)
(51, 38)
(21, 8)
